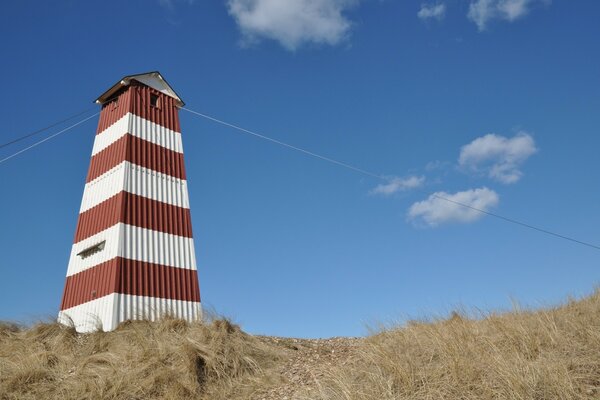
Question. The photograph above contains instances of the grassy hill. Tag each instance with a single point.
(545, 354)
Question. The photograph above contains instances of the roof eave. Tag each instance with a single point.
(125, 81)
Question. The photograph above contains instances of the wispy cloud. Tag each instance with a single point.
(435, 211)
(396, 184)
(170, 4)
(498, 156)
(436, 165)
(432, 11)
(172, 10)
(481, 12)
(292, 23)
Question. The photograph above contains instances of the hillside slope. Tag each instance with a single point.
(545, 354)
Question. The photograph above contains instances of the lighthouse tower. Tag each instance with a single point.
(133, 252)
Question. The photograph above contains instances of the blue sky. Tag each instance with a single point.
(492, 102)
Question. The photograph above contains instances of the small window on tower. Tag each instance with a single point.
(154, 100)
(92, 249)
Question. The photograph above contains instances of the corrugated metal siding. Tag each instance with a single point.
(155, 133)
(167, 114)
(158, 248)
(101, 313)
(157, 186)
(139, 152)
(91, 284)
(107, 159)
(113, 111)
(137, 211)
(154, 157)
(99, 218)
(157, 216)
(152, 308)
(135, 98)
(138, 278)
(107, 312)
(136, 202)
(134, 243)
(153, 280)
(136, 180)
(113, 238)
(141, 128)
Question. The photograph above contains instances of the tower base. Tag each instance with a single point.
(106, 313)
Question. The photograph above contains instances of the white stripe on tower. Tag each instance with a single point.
(137, 180)
(139, 127)
(133, 243)
(92, 315)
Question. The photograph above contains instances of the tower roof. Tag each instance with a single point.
(153, 79)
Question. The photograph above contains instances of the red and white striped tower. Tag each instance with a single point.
(133, 253)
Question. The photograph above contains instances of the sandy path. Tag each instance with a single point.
(308, 359)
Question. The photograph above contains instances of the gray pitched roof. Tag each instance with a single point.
(153, 79)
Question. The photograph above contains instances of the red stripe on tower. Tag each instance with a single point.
(134, 210)
(132, 277)
(133, 253)
(137, 98)
(140, 152)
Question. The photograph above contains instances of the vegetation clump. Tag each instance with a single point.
(168, 359)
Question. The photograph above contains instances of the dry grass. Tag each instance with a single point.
(170, 359)
(546, 354)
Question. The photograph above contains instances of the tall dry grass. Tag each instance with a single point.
(170, 359)
(545, 354)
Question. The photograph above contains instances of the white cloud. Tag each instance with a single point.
(498, 156)
(437, 11)
(292, 22)
(483, 11)
(435, 210)
(396, 184)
